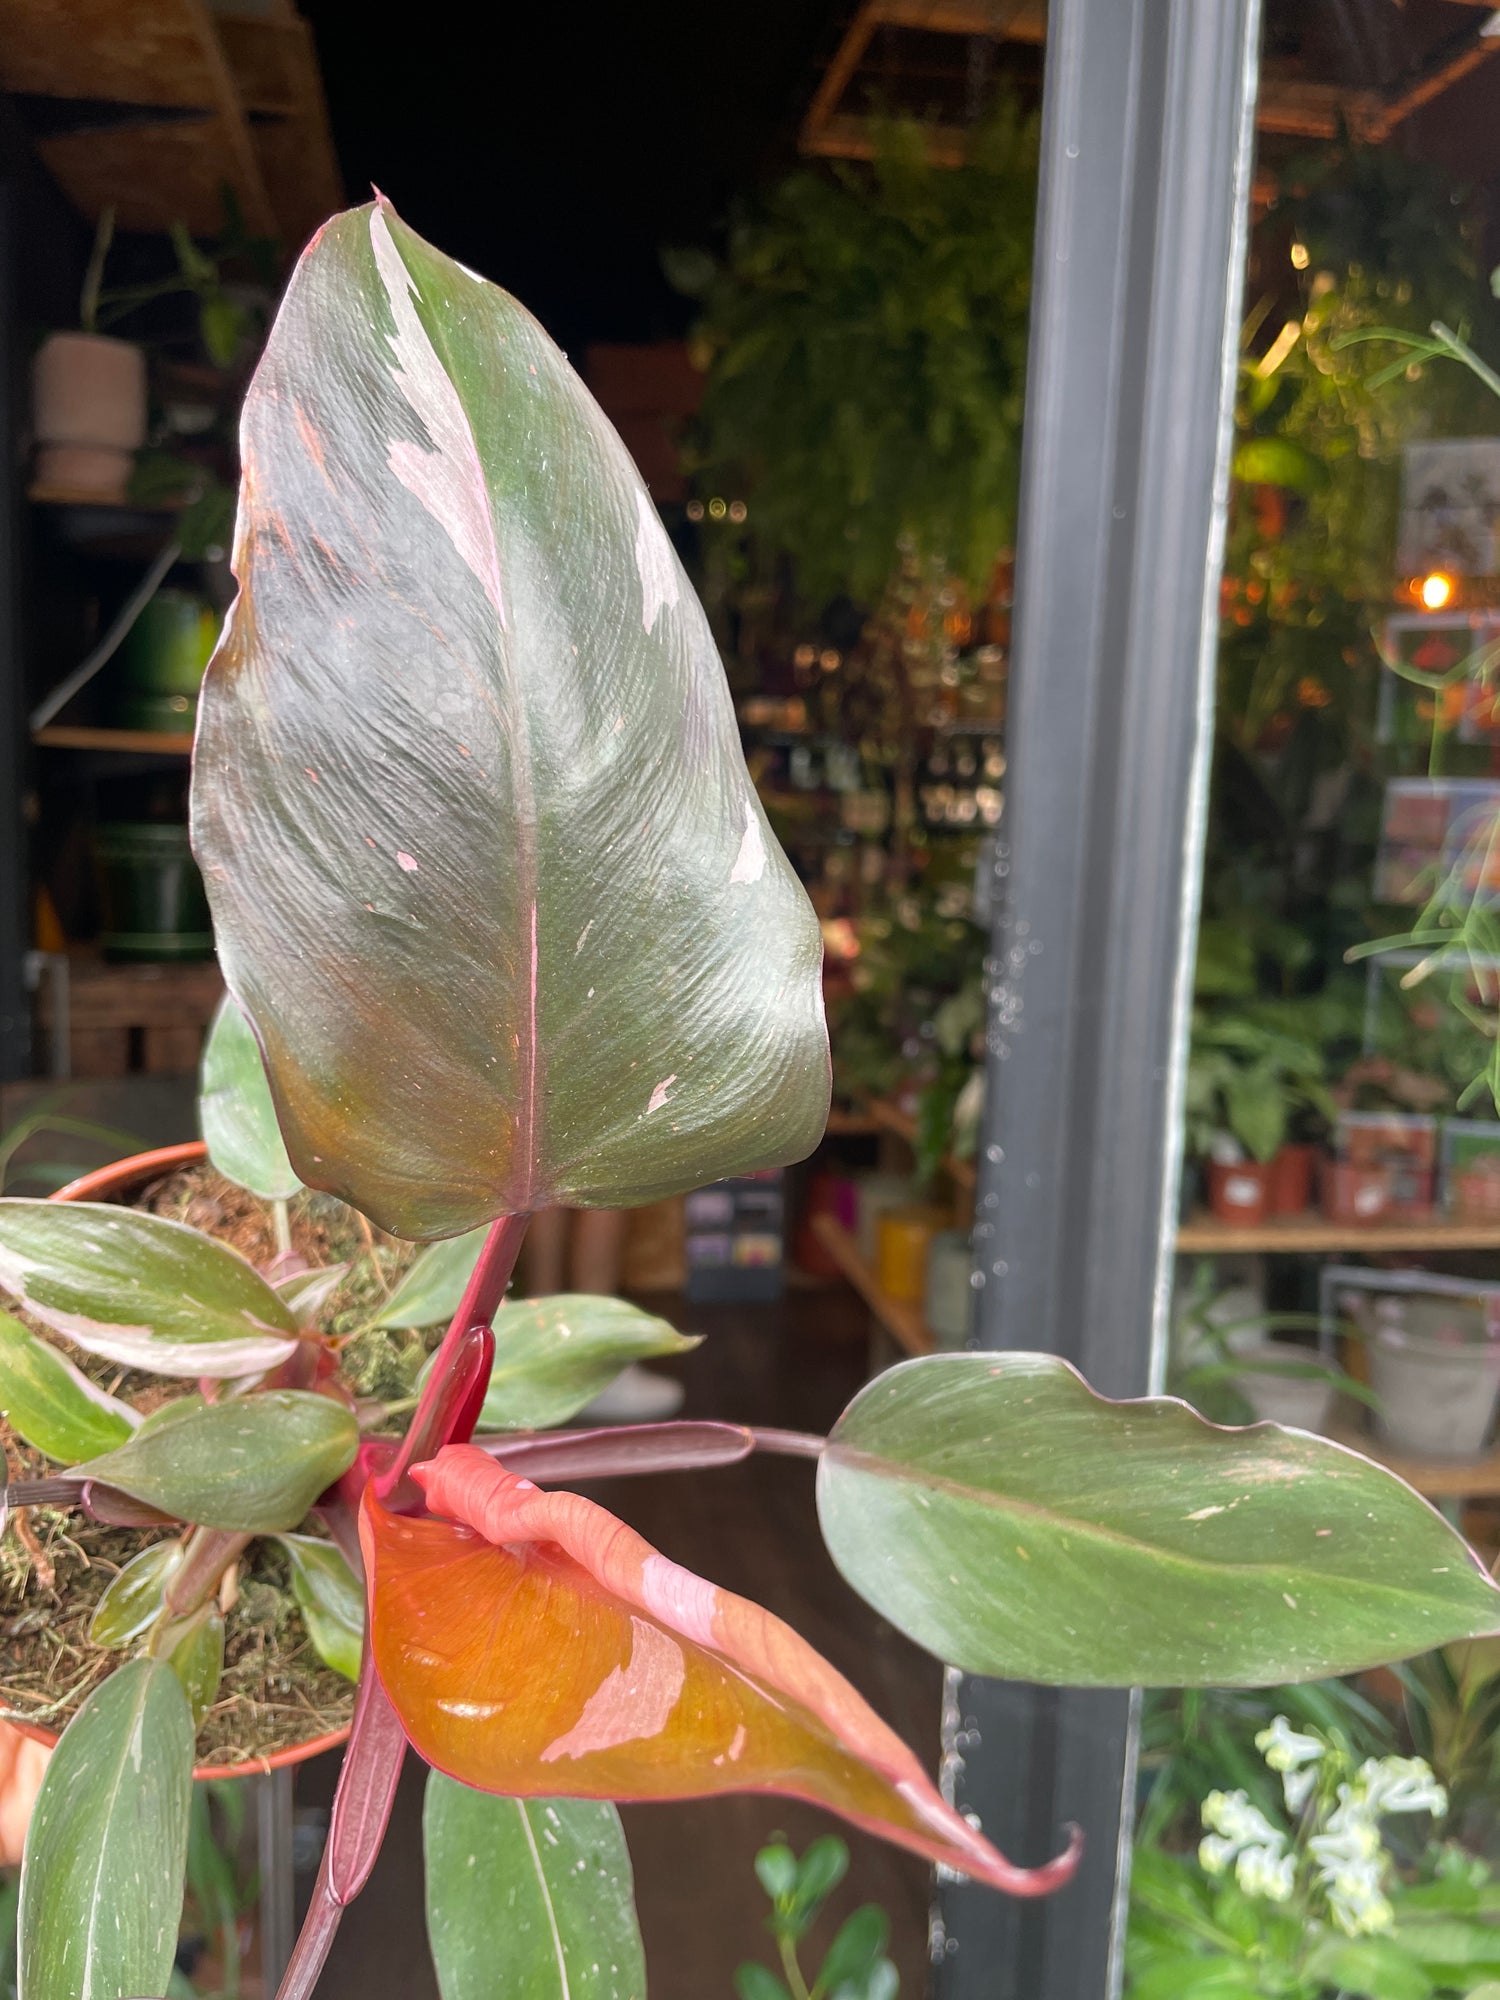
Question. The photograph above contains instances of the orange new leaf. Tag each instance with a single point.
(534, 1645)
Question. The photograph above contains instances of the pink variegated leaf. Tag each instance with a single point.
(534, 1645)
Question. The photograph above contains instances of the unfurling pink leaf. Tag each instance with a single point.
(533, 1645)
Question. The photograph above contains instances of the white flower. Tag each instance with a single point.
(1297, 1787)
(1232, 1814)
(1240, 1833)
(1355, 1898)
(1262, 1871)
(1350, 1836)
(1284, 1749)
(1401, 1784)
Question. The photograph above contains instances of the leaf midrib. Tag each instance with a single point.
(901, 1475)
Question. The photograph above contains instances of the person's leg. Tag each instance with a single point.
(597, 1249)
(544, 1254)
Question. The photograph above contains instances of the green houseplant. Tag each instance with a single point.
(492, 889)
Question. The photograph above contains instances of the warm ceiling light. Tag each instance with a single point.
(1435, 591)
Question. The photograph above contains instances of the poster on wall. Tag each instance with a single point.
(1434, 644)
(1437, 831)
(1450, 507)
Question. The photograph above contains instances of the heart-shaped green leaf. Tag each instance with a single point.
(133, 1600)
(235, 1111)
(54, 1406)
(530, 1898)
(140, 1290)
(331, 1599)
(488, 873)
(101, 1885)
(253, 1464)
(554, 1355)
(1016, 1524)
(429, 1293)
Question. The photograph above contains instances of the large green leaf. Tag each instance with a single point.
(236, 1113)
(101, 1885)
(1016, 1524)
(332, 1602)
(140, 1290)
(488, 873)
(531, 1899)
(53, 1405)
(253, 1464)
(554, 1355)
(430, 1291)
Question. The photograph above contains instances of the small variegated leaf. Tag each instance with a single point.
(194, 1650)
(331, 1600)
(133, 1600)
(138, 1289)
(54, 1405)
(235, 1110)
(433, 1282)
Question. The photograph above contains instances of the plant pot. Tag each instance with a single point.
(1476, 1195)
(1290, 1185)
(1355, 1194)
(1240, 1193)
(120, 1182)
(168, 647)
(154, 902)
(88, 397)
(1437, 1398)
(1302, 1402)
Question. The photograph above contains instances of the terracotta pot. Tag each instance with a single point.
(1239, 1194)
(1355, 1194)
(89, 412)
(119, 1182)
(1289, 1190)
(1476, 1195)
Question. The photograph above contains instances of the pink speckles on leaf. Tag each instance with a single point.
(750, 862)
(405, 861)
(659, 1095)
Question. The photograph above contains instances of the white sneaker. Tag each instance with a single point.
(636, 1396)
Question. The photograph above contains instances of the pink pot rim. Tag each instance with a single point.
(115, 1179)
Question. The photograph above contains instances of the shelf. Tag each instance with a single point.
(1310, 1235)
(153, 742)
(851, 1125)
(1434, 1478)
(61, 496)
(904, 1323)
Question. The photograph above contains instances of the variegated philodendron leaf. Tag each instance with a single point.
(487, 870)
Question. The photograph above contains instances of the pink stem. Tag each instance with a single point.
(453, 1393)
(361, 1812)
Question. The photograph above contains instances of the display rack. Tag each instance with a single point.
(1314, 1235)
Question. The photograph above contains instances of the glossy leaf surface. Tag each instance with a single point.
(1016, 1524)
(529, 1898)
(51, 1403)
(133, 1599)
(488, 874)
(331, 1600)
(433, 1284)
(236, 1113)
(140, 1290)
(254, 1463)
(196, 1656)
(554, 1355)
(533, 1645)
(101, 1885)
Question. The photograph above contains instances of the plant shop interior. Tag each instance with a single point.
(789, 249)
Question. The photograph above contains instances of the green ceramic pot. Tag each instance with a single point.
(168, 646)
(154, 903)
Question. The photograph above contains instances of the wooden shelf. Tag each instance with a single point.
(851, 1125)
(62, 496)
(156, 742)
(904, 1323)
(1312, 1235)
(1434, 1478)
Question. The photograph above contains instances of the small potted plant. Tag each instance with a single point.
(88, 393)
(507, 927)
(1250, 1088)
(1385, 1142)
(1434, 1357)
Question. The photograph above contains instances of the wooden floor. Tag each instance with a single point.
(752, 1528)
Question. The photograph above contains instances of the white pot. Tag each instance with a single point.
(1437, 1399)
(88, 411)
(1302, 1402)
